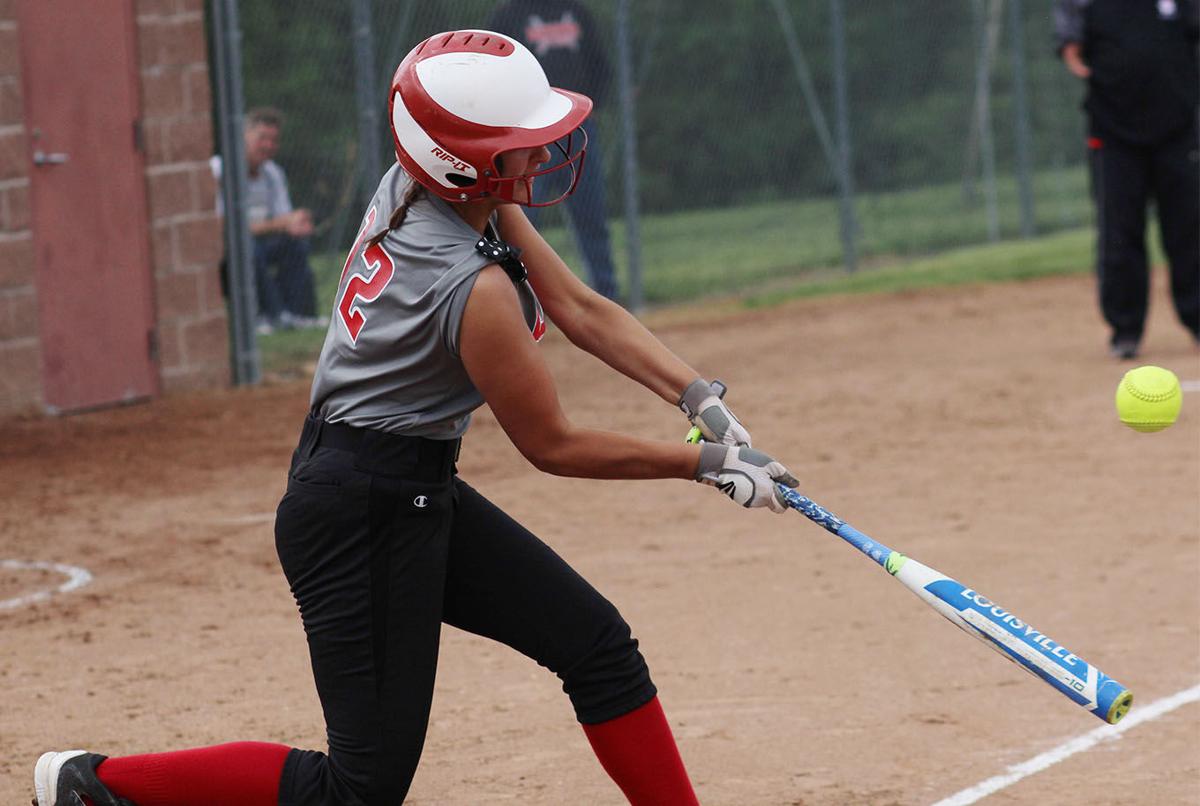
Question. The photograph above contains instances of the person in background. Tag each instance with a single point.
(566, 40)
(282, 275)
(1139, 60)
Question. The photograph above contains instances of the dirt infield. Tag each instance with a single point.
(971, 428)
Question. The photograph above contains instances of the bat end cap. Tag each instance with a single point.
(1120, 706)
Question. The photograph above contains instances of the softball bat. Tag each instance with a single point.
(975, 614)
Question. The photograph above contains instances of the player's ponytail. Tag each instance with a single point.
(399, 214)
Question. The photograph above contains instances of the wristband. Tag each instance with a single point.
(712, 459)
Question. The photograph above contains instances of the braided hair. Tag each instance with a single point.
(399, 214)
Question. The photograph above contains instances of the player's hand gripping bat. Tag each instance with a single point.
(1015, 639)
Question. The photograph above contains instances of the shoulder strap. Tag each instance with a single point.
(507, 256)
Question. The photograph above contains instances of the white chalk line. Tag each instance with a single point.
(1137, 715)
(1190, 386)
(76, 578)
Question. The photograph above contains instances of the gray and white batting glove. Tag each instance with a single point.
(746, 475)
(702, 403)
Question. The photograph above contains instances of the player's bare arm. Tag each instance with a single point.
(612, 334)
(593, 323)
(506, 366)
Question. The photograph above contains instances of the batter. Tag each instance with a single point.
(439, 309)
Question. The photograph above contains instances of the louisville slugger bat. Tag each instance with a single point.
(975, 614)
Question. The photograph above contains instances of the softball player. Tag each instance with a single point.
(381, 542)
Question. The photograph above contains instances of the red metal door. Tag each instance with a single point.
(79, 71)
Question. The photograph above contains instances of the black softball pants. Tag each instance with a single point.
(381, 545)
(1124, 179)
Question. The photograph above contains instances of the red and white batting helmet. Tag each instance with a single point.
(461, 98)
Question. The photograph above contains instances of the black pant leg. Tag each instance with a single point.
(366, 564)
(1120, 187)
(505, 584)
(1177, 195)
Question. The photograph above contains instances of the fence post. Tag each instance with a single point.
(370, 167)
(841, 113)
(836, 154)
(633, 236)
(804, 77)
(988, 32)
(239, 249)
(1021, 113)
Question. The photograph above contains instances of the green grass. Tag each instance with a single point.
(727, 251)
(289, 352)
(772, 251)
(1062, 253)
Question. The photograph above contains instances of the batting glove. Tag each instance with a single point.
(702, 403)
(744, 474)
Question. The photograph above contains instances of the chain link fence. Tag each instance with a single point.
(754, 140)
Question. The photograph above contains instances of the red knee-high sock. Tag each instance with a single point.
(234, 774)
(638, 751)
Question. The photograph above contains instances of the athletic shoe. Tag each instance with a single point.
(1124, 349)
(69, 778)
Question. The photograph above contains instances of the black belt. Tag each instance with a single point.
(420, 458)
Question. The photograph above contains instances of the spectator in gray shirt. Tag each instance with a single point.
(283, 277)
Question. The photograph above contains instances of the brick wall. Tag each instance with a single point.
(185, 232)
(20, 352)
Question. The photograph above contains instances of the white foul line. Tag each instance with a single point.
(76, 578)
(1190, 386)
(1067, 749)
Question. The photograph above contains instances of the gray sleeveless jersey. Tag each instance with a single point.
(391, 360)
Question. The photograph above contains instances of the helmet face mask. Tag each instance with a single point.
(460, 100)
(568, 154)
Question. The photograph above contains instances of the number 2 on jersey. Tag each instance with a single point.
(365, 286)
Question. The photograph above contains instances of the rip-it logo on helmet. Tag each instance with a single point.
(460, 99)
(458, 164)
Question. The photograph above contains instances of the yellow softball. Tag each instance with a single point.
(1149, 398)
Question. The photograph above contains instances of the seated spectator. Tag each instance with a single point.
(283, 277)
